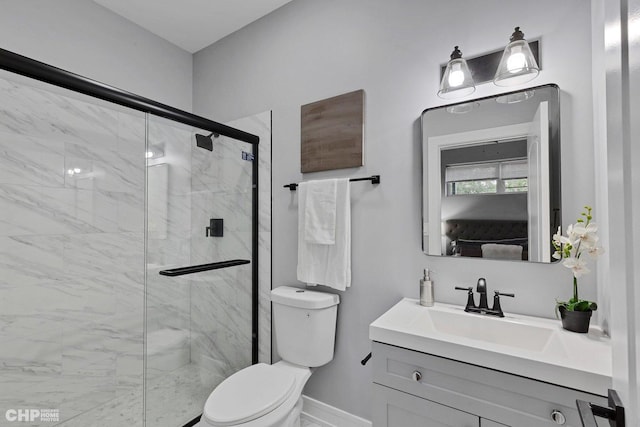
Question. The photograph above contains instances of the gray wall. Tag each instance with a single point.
(87, 39)
(310, 50)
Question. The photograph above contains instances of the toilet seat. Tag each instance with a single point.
(248, 394)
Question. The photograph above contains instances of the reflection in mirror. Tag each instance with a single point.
(491, 176)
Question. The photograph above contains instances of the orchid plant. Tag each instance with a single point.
(581, 238)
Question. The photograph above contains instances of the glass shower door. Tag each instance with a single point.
(198, 326)
(71, 258)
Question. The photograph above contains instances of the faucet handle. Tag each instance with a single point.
(504, 294)
(497, 309)
(470, 302)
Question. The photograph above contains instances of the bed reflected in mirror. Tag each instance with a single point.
(491, 176)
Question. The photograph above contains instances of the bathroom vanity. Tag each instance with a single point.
(440, 366)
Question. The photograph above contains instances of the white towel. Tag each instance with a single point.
(328, 265)
(497, 251)
(320, 212)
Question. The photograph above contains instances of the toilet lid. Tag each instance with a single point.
(248, 394)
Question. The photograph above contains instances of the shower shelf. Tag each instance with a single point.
(203, 267)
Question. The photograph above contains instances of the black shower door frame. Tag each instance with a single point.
(24, 66)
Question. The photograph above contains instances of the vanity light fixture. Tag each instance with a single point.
(515, 97)
(518, 64)
(457, 80)
(463, 108)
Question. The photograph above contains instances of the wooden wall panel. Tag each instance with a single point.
(332, 133)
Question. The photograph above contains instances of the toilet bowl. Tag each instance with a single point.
(264, 395)
(258, 396)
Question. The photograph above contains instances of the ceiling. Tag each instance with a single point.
(192, 24)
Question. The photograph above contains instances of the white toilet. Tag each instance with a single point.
(271, 395)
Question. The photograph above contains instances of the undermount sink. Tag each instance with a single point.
(528, 346)
(501, 331)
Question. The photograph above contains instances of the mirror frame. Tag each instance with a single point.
(555, 199)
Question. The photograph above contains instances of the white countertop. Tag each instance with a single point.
(550, 353)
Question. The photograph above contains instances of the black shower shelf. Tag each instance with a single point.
(203, 267)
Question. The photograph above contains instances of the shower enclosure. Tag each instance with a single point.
(128, 253)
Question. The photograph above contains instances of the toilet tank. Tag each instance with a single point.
(304, 325)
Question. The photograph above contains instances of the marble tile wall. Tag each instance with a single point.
(221, 299)
(169, 229)
(260, 124)
(71, 250)
(215, 306)
(72, 254)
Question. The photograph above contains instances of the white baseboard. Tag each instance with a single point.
(329, 416)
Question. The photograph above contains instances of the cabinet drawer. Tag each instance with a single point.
(392, 408)
(495, 395)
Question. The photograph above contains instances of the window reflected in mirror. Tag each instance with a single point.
(491, 176)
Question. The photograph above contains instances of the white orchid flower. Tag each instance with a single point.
(595, 251)
(559, 239)
(586, 235)
(578, 266)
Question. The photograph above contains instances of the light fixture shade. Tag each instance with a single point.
(518, 64)
(456, 80)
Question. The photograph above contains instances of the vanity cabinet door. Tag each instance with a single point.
(505, 398)
(393, 408)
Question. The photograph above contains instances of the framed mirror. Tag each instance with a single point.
(491, 176)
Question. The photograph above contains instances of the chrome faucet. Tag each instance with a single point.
(483, 307)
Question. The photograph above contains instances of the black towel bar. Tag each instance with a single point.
(375, 179)
(203, 267)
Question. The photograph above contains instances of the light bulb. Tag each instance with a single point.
(456, 77)
(73, 171)
(148, 154)
(517, 61)
(457, 80)
(518, 65)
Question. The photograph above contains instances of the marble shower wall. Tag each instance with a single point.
(71, 250)
(72, 255)
(221, 299)
(168, 245)
(260, 124)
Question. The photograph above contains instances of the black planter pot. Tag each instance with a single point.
(575, 321)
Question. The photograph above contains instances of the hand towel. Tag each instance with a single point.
(497, 251)
(328, 265)
(320, 212)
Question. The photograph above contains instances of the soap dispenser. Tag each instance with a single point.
(426, 290)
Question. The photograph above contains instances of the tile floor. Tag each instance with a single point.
(178, 389)
(182, 384)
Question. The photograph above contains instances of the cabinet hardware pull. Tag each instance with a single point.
(558, 417)
(417, 375)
